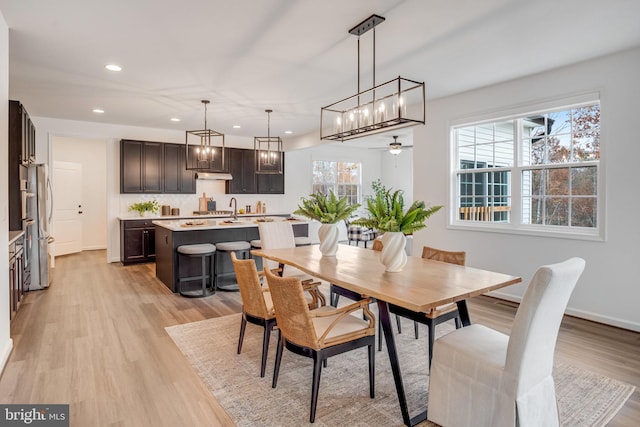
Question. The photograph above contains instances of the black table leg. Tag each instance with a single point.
(464, 312)
(383, 312)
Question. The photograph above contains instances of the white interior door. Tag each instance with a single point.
(67, 211)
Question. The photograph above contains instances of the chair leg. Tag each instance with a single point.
(372, 370)
(458, 322)
(380, 334)
(243, 326)
(276, 368)
(265, 347)
(415, 329)
(398, 323)
(317, 371)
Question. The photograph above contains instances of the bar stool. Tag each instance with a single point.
(240, 247)
(201, 251)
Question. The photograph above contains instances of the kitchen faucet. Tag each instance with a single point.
(234, 202)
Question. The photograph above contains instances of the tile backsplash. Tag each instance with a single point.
(187, 203)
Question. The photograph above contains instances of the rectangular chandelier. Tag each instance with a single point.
(395, 104)
(204, 149)
(268, 154)
(392, 105)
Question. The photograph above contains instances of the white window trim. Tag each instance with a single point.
(515, 227)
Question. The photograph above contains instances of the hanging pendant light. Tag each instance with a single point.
(204, 148)
(395, 104)
(268, 151)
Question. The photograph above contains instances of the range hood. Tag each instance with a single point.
(214, 176)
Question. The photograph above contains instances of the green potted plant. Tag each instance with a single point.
(143, 207)
(388, 215)
(328, 210)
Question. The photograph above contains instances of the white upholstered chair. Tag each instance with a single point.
(481, 377)
(279, 235)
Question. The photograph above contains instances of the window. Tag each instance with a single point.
(344, 178)
(537, 171)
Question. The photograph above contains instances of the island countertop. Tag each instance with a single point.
(169, 235)
(219, 224)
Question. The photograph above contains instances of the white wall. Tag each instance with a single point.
(92, 155)
(5, 340)
(609, 289)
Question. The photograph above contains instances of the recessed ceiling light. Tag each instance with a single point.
(98, 110)
(288, 132)
(175, 119)
(236, 126)
(113, 67)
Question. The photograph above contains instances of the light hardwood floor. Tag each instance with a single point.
(96, 340)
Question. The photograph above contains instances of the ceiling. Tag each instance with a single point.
(291, 56)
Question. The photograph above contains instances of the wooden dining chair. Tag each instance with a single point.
(439, 314)
(482, 377)
(257, 306)
(320, 333)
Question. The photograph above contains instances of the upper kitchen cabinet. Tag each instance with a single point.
(140, 167)
(22, 152)
(22, 135)
(176, 178)
(271, 183)
(243, 169)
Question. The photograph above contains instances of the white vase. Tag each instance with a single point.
(328, 235)
(393, 255)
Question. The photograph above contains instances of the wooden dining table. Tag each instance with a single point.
(422, 284)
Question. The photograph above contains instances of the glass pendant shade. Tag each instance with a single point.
(204, 149)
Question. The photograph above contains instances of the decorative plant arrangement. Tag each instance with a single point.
(143, 207)
(387, 215)
(328, 210)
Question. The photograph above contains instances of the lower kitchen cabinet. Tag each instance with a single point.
(16, 275)
(137, 241)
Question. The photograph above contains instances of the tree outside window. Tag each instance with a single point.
(556, 156)
(344, 178)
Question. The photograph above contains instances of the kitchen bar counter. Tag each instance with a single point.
(219, 224)
(129, 217)
(171, 234)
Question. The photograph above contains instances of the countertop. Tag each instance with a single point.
(203, 223)
(130, 217)
(15, 235)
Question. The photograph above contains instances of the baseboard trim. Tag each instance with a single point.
(582, 314)
(8, 348)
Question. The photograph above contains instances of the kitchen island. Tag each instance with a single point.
(171, 234)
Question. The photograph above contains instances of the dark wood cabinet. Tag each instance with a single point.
(176, 178)
(271, 183)
(22, 152)
(16, 275)
(140, 166)
(22, 134)
(137, 241)
(242, 168)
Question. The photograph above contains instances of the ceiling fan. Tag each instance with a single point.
(395, 147)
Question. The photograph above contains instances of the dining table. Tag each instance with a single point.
(421, 285)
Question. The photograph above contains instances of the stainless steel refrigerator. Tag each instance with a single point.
(39, 209)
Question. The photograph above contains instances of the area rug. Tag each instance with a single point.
(584, 399)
